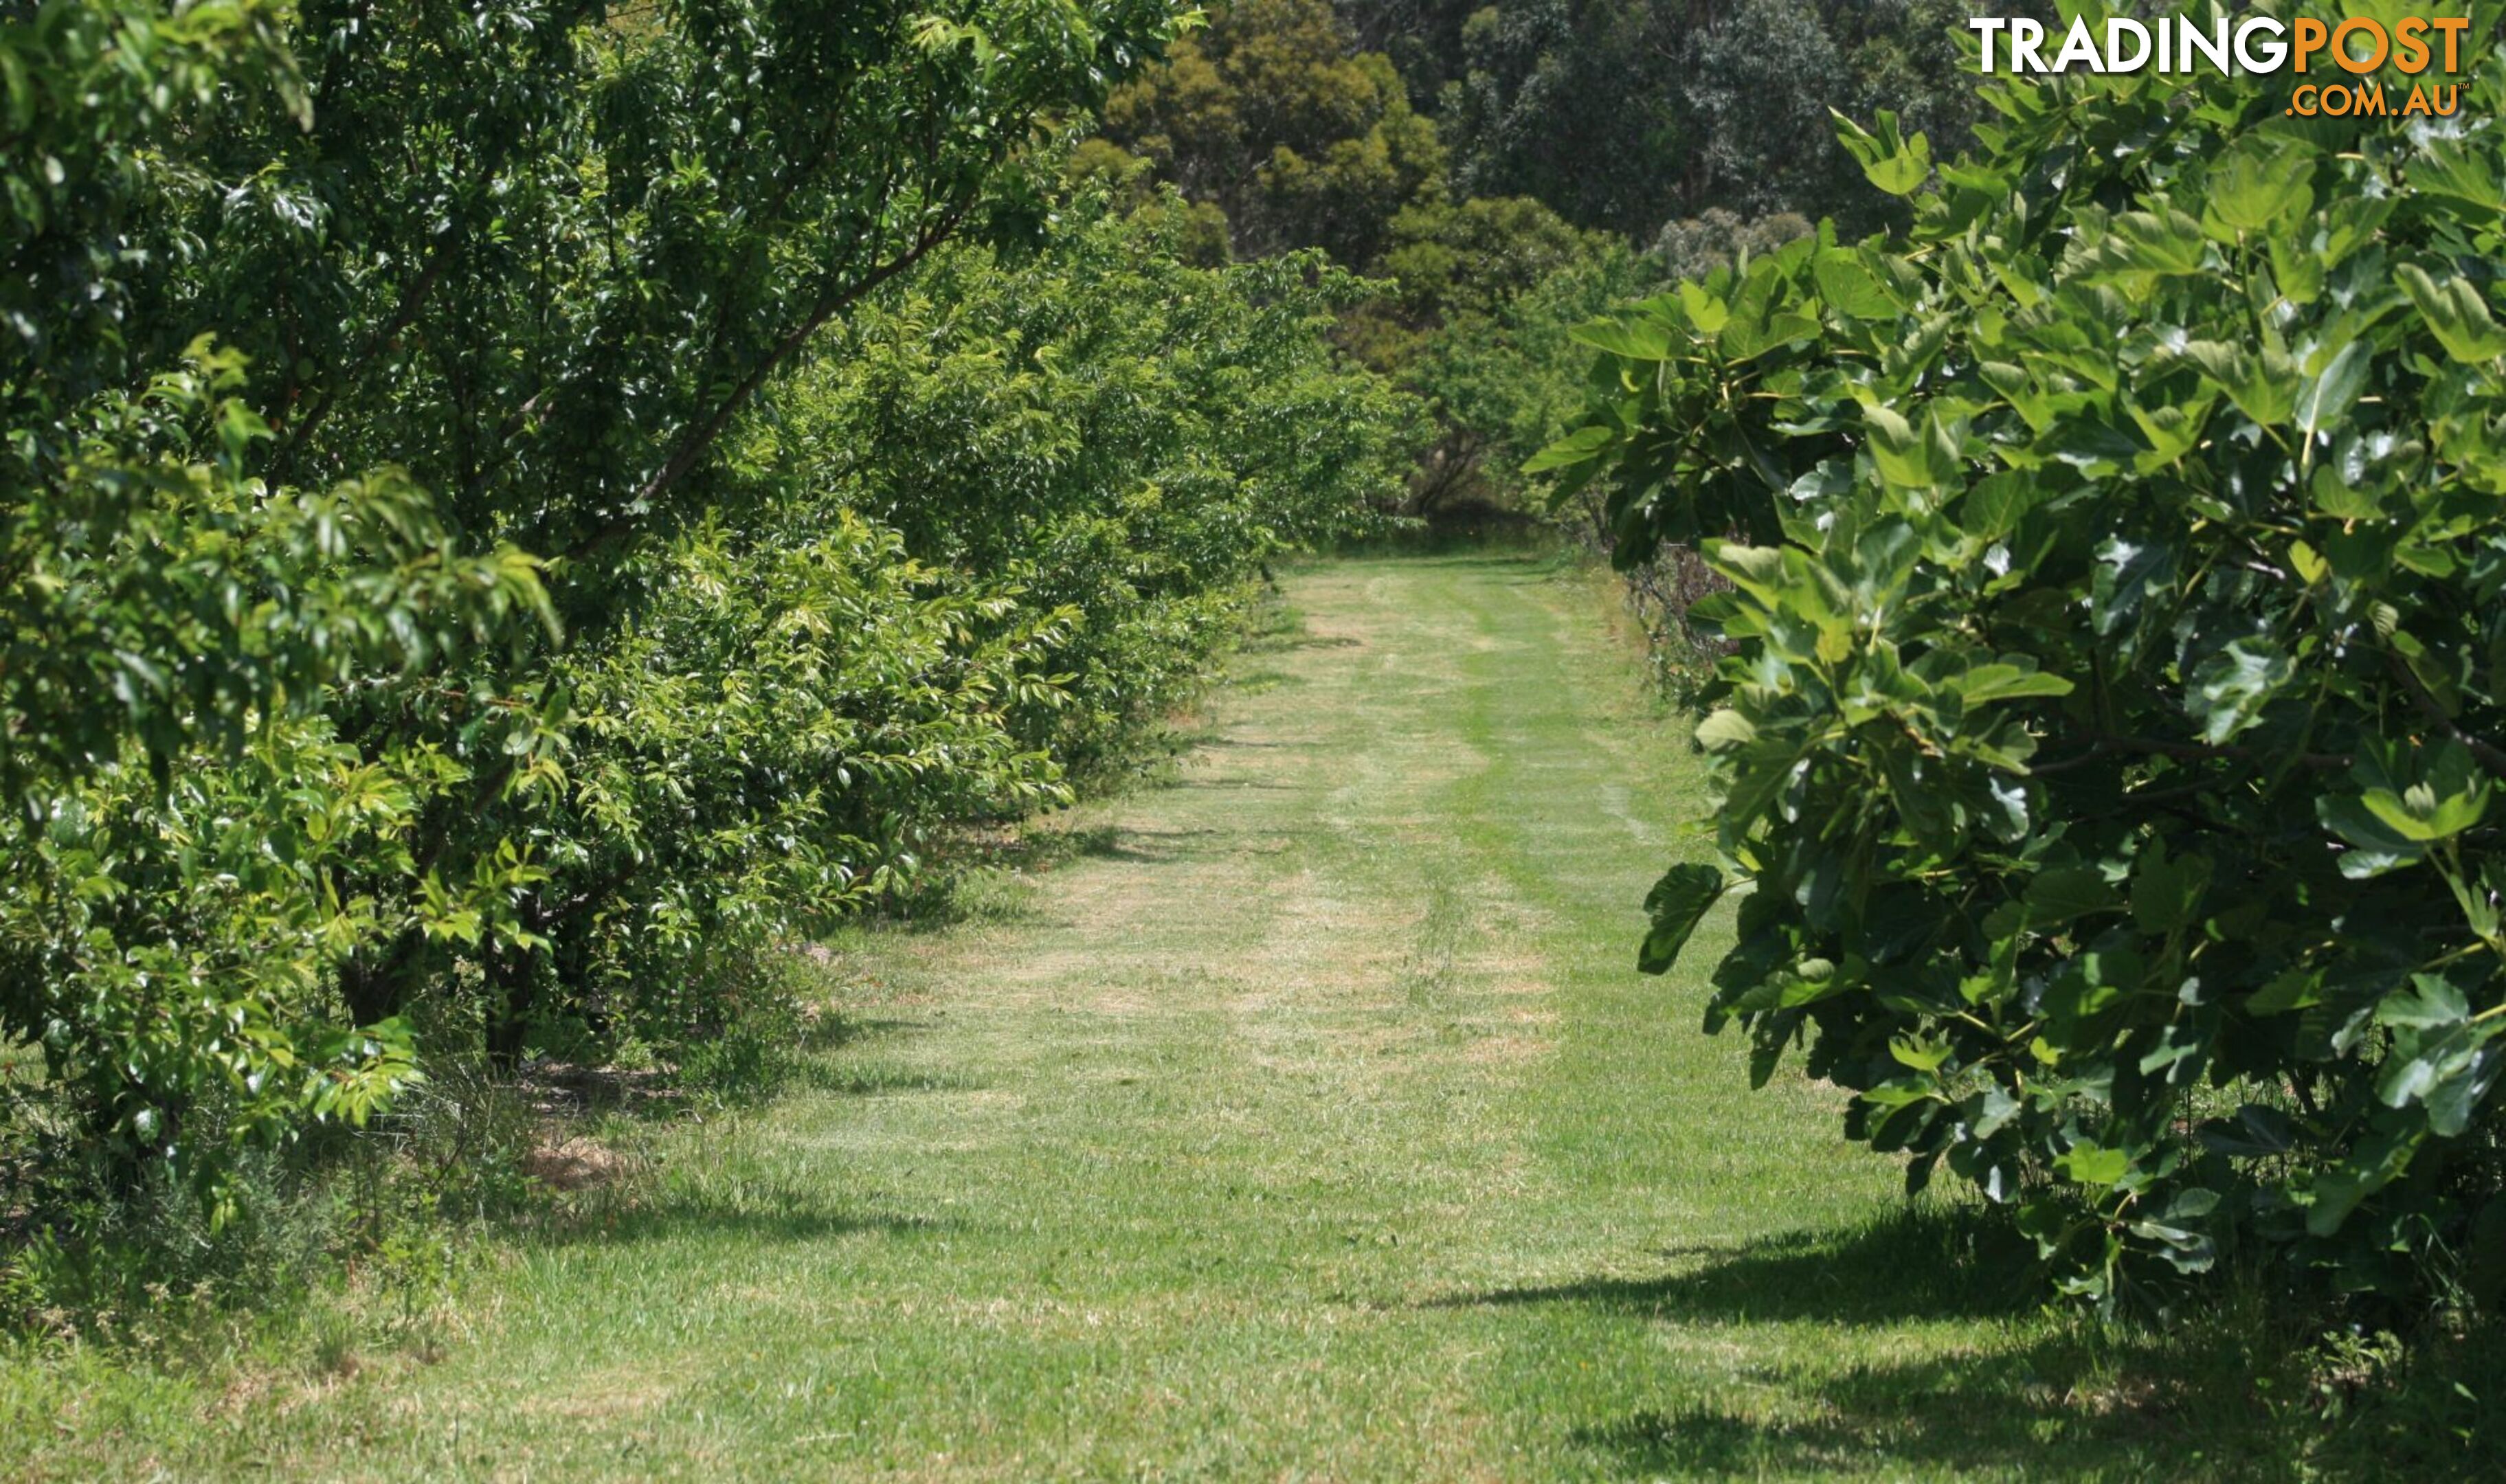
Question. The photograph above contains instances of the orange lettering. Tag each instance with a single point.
(2453, 26)
(2410, 53)
(2340, 53)
(2310, 37)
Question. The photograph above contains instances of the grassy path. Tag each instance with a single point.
(1306, 1120)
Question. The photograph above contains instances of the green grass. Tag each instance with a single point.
(1302, 1118)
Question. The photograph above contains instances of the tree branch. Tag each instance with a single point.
(701, 438)
(412, 299)
(2107, 743)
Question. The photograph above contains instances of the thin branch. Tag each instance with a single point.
(692, 449)
(411, 299)
(2189, 752)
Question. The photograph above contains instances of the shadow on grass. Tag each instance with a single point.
(1154, 847)
(835, 1031)
(749, 1214)
(1308, 641)
(875, 1081)
(1037, 852)
(2019, 1413)
(1923, 1263)
(2212, 1398)
(1469, 529)
(2217, 1395)
(2015, 1410)
(1258, 681)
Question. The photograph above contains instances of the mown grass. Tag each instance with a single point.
(1298, 1118)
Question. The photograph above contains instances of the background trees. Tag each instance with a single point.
(1468, 152)
(1624, 114)
(1273, 116)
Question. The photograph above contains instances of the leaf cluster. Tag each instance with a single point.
(2117, 705)
(315, 319)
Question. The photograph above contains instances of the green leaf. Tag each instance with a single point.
(2065, 892)
(1920, 1056)
(2016, 678)
(2090, 1164)
(2167, 891)
(1849, 287)
(2258, 184)
(2255, 1132)
(2174, 430)
(2421, 816)
(1708, 313)
(2459, 168)
(2230, 688)
(2337, 497)
(2455, 312)
(1993, 506)
(2127, 571)
(1906, 455)
(2427, 1003)
(2262, 383)
(2377, 1161)
(1677, 903)
(1725, 728)
(2159, 242)
(2296, 267)
(2376, 847)
(1896, 165)
(1580, 446)
(1635, 337)
(2325, 398)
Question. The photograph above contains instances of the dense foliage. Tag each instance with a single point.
(1311, 122)
(1628, 112)
(1487, 339)
(2116, 715)
(448, 598)
(1122, 435)
(1470, 154)
(1270, 116)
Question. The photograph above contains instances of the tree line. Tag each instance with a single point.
(514, 511)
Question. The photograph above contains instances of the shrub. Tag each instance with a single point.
(285, 713)
(2116, 715)
(1121, 436)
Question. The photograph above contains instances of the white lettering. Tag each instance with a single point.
(2079, 47)
(2026, 36)
(2272, 58)
(2116, 30)
(2189, 38)
(1988, 27)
